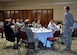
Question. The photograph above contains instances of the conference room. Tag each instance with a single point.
(49, 42)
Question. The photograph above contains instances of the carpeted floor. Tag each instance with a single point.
(6, 49)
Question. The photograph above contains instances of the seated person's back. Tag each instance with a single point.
(8, 32)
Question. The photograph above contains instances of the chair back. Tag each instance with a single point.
(56, 34)
(23, 35)
(1, 30)
(19, 29)
(8, 33)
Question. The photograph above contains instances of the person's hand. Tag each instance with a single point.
(12, 26)
(71, 27)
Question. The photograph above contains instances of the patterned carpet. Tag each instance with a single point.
(6, 49)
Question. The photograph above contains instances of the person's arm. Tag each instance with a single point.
(49, 26)
(71, 21)
(22, 29)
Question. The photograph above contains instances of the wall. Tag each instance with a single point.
(0, 6)
(44, 15)
(42, 4)
(59, 11)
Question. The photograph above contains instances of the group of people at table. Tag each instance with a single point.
(12, 28)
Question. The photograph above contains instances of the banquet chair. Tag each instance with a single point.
(55, 38)
(1, 31)
(75, 32)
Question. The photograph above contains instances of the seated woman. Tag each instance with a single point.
(17, 25)
(21, 23)
(37, 25)
(34, 22)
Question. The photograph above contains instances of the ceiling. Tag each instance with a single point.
(37, 0)
(44, 1)
(8, 0)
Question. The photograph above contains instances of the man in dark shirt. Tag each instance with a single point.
(9, 33)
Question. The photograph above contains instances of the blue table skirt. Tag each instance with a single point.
(43, 38)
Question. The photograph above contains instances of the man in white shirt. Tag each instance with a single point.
(52, 26)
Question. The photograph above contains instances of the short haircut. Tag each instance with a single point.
(67, 8)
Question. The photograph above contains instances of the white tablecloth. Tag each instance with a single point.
(43, 34)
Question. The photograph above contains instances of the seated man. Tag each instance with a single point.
(52, 26)
(9, 33)
(74, 30)
(31, 37)
(75, 25)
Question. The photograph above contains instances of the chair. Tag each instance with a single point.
(75, 32)
(1, 31)
(54, 39)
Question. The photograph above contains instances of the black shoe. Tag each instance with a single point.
(67, 49)
(62, 42)
(15, 46)
(37, 49)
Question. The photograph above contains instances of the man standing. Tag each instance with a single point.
(68, 22)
